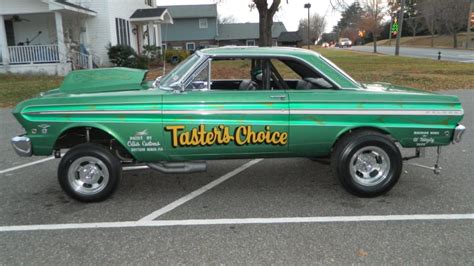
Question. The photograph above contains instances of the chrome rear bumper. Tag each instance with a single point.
(22, 146)
(458, 132)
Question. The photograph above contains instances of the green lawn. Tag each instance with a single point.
(15, 88)
(424, 74)
(413, 72)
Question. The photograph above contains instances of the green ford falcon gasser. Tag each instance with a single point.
(232, 102)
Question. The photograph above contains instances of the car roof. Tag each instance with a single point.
(258, 51)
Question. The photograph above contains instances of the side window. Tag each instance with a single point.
(286, 72)
(203, 23)
(242, 74)
(200, 79)
(231, 69)
(298, 76)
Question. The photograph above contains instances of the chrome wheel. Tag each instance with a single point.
(369, 166)
(88, 175)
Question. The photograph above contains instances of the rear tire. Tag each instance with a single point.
(367, 163)
(89, 173)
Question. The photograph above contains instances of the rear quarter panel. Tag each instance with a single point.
(319, 117)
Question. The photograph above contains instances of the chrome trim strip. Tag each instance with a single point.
(94, 112)
(269, 112)
(375, 112)
(218, 112)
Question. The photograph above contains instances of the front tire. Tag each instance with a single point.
(89, 173)
(367, 163)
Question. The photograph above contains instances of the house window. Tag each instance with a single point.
(148, 2)
(122, 28)
(250, 43)
(190, 46)
(203, 23)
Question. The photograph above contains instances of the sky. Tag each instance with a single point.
(290, 14)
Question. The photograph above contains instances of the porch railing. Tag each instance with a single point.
(34, 54)
(81, 60)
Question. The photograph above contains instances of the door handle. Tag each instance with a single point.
(278, 97)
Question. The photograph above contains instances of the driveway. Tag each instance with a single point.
(271, 211)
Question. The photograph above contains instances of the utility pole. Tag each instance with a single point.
(390, 31)
(308, 6)
(470, 24)
(400, 27)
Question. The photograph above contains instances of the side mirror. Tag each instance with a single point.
(156, 83)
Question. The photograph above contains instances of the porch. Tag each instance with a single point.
(53, 42)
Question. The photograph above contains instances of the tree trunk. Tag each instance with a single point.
(455, 40)
(263, 27)
(375, 43)
(432, 33)
(266, 20)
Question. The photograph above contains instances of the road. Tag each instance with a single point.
(62, 231)
(466, 56)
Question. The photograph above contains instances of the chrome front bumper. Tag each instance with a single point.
(22, 146)
(458, 132)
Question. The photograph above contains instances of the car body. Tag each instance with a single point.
(345, 42)
(189, 115)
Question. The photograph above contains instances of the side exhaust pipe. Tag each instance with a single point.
(171, 168)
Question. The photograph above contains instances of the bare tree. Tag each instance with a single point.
(226, 20)
(318, 24)
(415, 24)
(374, 11)
(429, 13)
(452, 17)
(266, 14)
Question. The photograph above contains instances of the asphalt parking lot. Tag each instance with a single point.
(279, 211)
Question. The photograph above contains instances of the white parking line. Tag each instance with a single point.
(243, 221)
(26, 165)
(198, 192)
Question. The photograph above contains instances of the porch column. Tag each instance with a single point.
(158, 35)
(58, 19)
(3, 42)
(151, 34)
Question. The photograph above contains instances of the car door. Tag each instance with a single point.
(309, 94)
(201, 123)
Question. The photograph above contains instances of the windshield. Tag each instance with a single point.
(340, 70)
(178, 72)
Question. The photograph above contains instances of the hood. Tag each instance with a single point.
(104, 80)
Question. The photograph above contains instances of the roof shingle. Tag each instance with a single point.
(148, 12)
(192, 11)
(290, 36)
(246, 31)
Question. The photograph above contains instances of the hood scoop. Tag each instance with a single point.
(104, 80)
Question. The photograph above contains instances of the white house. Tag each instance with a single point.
(55, 36)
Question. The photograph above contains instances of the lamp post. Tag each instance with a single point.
(308, 6)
